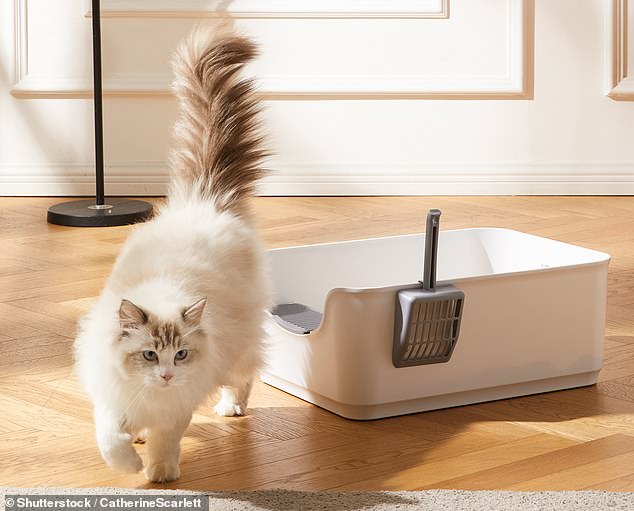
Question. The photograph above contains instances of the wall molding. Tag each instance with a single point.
(517, 83)
(69, 179)
(357, 9)
(20, 41)
(621, 83)
(151, 178)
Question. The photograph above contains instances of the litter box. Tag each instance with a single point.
(531, 320)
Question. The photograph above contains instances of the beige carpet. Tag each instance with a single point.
(443, 500)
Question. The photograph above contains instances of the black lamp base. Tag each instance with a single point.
(85, 213)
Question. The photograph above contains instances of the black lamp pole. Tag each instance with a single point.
(98, 212)
(97, 98)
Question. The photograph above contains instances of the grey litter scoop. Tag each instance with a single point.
(427, 319)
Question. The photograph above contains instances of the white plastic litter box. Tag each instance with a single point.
(533, 321)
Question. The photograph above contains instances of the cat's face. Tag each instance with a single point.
(156, 353)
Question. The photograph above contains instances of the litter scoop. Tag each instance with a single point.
(427, 319)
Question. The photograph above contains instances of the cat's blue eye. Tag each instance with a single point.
(150, 356)
(181, 355)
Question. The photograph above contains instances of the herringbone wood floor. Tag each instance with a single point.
(573, 439)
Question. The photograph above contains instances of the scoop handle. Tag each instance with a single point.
(431, 249)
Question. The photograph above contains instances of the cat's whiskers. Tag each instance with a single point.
(133, 407)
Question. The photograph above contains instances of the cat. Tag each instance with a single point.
(181, 315)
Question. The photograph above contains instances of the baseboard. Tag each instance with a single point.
(452, 179)
(142, 179)
(151, 178)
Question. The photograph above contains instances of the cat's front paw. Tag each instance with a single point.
(162, 472)
(123, 460)
(226, 408)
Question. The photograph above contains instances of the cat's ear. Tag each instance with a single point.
(131, 316)
(193, 313)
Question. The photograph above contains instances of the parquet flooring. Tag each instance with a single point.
(574, 439)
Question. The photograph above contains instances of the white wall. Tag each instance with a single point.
(362, 96)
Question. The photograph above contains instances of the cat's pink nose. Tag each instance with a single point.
(167, 376)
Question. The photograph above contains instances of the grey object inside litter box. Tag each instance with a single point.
(296, 317)
(427, 319)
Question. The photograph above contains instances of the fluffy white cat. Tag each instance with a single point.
(182, 313)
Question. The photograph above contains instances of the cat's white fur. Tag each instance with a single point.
(189, 251)
(192, 250)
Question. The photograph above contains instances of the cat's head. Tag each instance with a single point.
(160, 353)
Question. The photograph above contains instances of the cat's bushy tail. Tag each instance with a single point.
(217, 151)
